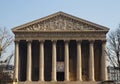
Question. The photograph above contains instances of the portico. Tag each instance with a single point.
(60, 47)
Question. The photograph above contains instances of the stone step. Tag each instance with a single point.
(63, 82)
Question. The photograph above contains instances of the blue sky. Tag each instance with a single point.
(16, 12)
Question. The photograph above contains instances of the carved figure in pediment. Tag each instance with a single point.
(46, 25)
(91, 28)
(77, 26)
(69, 24)
(59, 23)
(35, 27)
(40, 26)
(51, 24)
(56, 25)
(29, 28)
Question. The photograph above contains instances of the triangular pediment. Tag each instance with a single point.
(59, 22)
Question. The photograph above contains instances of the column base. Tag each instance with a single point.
(28, 81)
(14, 82)
(53, 80)
(79, 80)
(92, 80)
(41, 80)
(66, 80)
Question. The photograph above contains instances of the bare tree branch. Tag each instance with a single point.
(6, 39)
(113, 47)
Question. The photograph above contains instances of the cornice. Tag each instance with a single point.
(65, 31)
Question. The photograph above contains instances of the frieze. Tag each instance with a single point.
(60, 35)
(59, 23)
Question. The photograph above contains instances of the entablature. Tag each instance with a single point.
(61, 35)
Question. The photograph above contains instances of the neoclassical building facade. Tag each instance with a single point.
(60, 48)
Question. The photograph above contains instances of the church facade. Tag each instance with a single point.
(60, 48)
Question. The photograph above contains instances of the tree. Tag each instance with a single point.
(6, 39)
(113, 47)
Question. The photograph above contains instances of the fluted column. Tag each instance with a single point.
(41, 64)
(53, 60)
(103, 62)
(79, 61)
(91, 62)
(29, 60)
(16, 60)
(66, 60)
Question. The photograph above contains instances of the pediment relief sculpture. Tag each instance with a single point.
(59, 22)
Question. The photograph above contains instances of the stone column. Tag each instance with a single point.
(16, 60)
(103, 62)
(66, 60)
(29, 60)
(79, 61)
(41, 64)
(54, 61)
(91, 62)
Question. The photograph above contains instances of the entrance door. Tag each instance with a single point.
(60, 60)
(60, 76)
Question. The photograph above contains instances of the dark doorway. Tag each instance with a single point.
(60, 76)
(22, 60)
(47, 60)
(60, 50)
(35, 60)
(85, 60)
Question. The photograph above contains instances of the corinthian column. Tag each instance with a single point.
(79, 61)
(103, 63)
(54, 61)
(66, 61)
(91, 62)
(16, 59)
(41, 67)
(29, 60)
